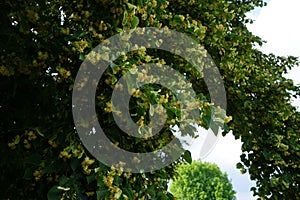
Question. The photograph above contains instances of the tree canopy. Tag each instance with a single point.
(202, 181)
(43, 44)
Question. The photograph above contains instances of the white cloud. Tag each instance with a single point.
(278, 24)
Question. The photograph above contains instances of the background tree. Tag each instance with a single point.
(42, 46)
(201, 181)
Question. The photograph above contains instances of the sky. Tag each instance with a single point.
(279, 24)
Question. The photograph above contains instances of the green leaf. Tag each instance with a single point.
(83, 34)
(90, 178)
(253, 189)
(39, 132)
(82, 57)
(55, 193)
(266, 154)
(50, 167)
(187, 156)
(80, 194)
(177, 19)
(239, 165)
(161, 195)
(29, 173)
(125, 18)
(117, 180)
(75, 163)
(128, 192)
(131, 6)
(135, 22)
(140, 3)
(17, 139)
(101, 194)
(63, 180)
(34, 158)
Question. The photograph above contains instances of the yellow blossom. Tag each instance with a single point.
(116, 191)
(228, 119)
(102, 26)
(87, 162)
(108, 181)
(148, 58)
(81, 45)
(108, 107)
(53, 143)
(119, 86)
(31, 135)
(136, 160)
(137, 93)
(38, 174)
(140, 122)
(11, 145)
(42, 56)
(164, 98)
(89, 194)
(5, 72)
(181, 17)
(64, 154)
(65, 31)
(162, 61)
(27, 145)
(63, 72)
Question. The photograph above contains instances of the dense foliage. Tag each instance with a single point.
(43, 44)
(202, 181)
